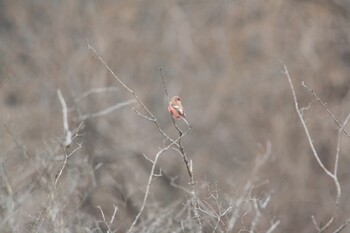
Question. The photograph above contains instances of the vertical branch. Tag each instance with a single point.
(336, 163)
(152, 118)
(164, 85)
(296, 103)
(150, 178)
(342, 128)
(308, 135)
(67, 132)
(188, 163)
(67, 142)
(108, 224)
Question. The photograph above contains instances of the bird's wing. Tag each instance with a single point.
(179, 109)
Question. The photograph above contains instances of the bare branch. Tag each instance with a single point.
(273, 226)
(319, 228)
(94, 91)
(315, 223)
(164, 85)
(304, 125)
(140, 114)
(150, 180)
(18, 142)
(337, 159)
(147, 158)
(43, 212)
(342, 227)
(338, 143)
(119, 80)
(152, 117)
(256, 217)
(64, 163)
(324, 106)
(67, 132)
(314, 152)
(114, 213)
(188, 124)
(108, 224)
(106, 111)
(176, 142)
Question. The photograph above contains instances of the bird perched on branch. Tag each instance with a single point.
(175, 108)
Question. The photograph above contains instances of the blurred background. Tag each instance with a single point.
(224, 58)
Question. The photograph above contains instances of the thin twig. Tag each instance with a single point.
(173, 184)
(69, 137)
(18, 142)
(238, 205)
(108, 224)
(256, 217)
(64, 163)
(148, 159)
(342, 226)
(319, 228)
(42, 215)
(337, 157)
(189, 167)
(94, 91)
(315, 223)
(188, 124)
(67, 132)
(338, 143)
(150, 180)
(167, 96)
(114, 213)
(119, 80)
(140, 114)
(104, 219)
(273, 226)
(188, 163)
(327, 225)
(151, 116)
(106, 111)
(324, 106)
(153, 119)
(314, 152)
(164, 85)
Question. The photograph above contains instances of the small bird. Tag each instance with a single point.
(175, 108)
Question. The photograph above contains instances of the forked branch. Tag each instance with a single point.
(333, 174)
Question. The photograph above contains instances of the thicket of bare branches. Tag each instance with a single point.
(87, 144)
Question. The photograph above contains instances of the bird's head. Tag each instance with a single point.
(176, 100)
